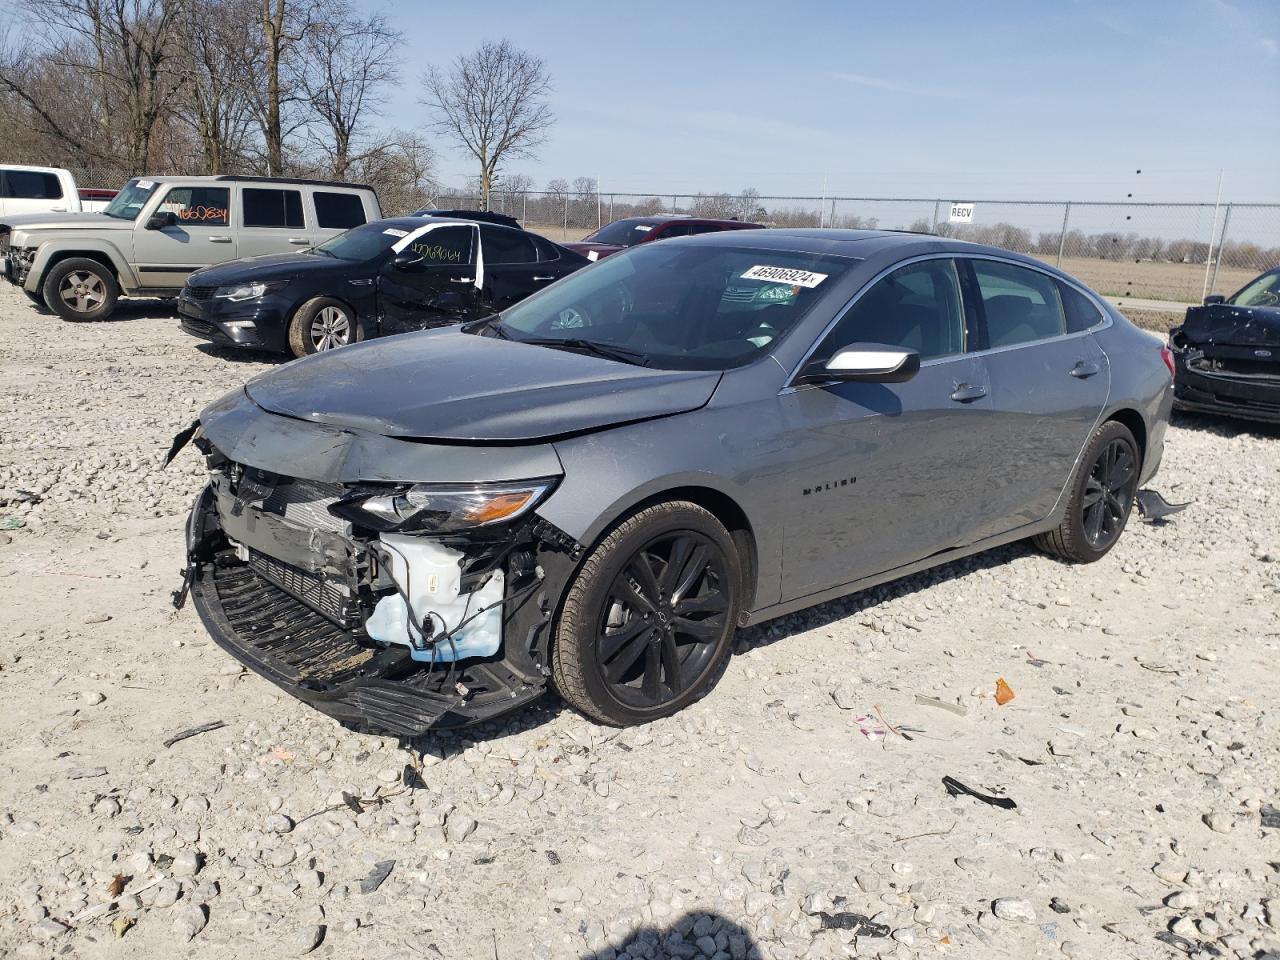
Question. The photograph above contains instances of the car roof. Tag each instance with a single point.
(235, 178)
(852, 243)
(655, 219)
(413, 221)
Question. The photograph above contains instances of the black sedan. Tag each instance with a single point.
(1227, 353)
(386, 277)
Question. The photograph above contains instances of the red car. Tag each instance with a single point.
(627, 233)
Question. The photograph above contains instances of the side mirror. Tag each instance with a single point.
(1214, 298)
(869, 362)
(407, 260)
(159, 221)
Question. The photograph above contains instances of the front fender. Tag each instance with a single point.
(51, 251)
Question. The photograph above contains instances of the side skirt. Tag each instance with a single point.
(936, 560)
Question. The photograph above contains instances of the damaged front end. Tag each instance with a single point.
(1227, 361)
(394, 605)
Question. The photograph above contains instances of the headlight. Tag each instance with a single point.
(442, 508)
(249, 291)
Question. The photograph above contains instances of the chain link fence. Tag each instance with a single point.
(1138, 250)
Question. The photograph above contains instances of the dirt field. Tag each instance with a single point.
(797, 811)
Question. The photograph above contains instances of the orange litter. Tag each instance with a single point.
(1004, 693)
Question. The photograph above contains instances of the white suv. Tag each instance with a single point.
(157, 231)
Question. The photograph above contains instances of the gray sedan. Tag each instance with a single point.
(593, 490)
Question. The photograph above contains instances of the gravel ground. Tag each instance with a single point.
(772, 819)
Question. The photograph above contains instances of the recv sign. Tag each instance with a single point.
(962, 213)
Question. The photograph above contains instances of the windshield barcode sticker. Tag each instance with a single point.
(797, 278)
(393, 232)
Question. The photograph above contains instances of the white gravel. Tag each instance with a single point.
(769, 820)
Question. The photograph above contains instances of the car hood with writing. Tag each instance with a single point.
(1225, 323)
(451, 386)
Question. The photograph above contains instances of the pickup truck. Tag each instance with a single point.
(157, 231)
(25, 189)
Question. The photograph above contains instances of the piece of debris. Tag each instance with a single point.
(116, 886)
(1156, 509)
(955, 788)
(1004, 692)
(379, 873)
(1035, 661)
(859, 923)
(1270, 817)
(195, 731)
(120, 925)
(86, 773)
(956, 708)
(870, 727)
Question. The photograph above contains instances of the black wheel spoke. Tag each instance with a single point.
(642, 570)
(676, 561)
(695, 566)
(671, 664)
(627, 656)
(612, 643)
(712, 602)
(652, 672)
(700, 629)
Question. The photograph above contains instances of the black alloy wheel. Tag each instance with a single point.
(662, 619)
(648, 620)
(1108, 493)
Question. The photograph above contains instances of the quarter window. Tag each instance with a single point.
(29, 185)
(198, 206)
(547, 250)
(1021, 305)
(917, 307)
(272, 208)
(1080, 311)
(507, 246)
(338, 211)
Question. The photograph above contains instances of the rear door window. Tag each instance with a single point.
(917, 307)
(30, 185)
(1020, 305)
(198, 206)
(1081, 312)
(338, 211)
(272, 208)
(507, 246)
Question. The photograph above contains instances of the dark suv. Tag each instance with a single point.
(628, 232)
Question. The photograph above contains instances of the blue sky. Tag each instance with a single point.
(1020, 100)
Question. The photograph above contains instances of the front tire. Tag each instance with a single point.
(80, 290)
(1102, 495)
(649, 619)
(322, 324)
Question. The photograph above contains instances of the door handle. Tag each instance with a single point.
(462, 280)
(299, 240)
(1085, 369)
(543, 279)
(967, 393)
(219, 239)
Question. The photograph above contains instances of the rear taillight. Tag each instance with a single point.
(1167, 356)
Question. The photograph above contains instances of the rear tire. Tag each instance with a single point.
(649, 618)
(1102, 496)
(36, 298)
(322, 324)
(80, 290)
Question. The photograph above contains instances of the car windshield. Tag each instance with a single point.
(678, 306)
(361, 243)
(128, 203)
(621, 233)
(1263, 292)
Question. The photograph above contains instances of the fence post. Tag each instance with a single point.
(1062, 237)
(936, 205)
(524, 209)
(674, 208)
(611, 208)
(1222, 239)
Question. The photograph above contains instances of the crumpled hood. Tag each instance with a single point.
(40, 222)
(271, 266)
(1228, 324)
(451, 386)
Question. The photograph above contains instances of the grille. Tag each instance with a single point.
(306, 504)
(323, 596)
(200, 293)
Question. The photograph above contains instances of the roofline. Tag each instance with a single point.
(240, 178)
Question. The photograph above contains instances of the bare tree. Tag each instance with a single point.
(281, 26)
(492, 103)
(120, 55)
(344, 63)
(219, 106)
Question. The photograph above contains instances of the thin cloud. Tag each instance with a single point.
(1270, 45)
(892, 86)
